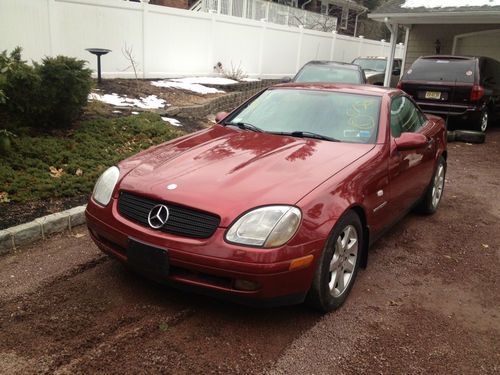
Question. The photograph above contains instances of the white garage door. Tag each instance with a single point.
(483, 43)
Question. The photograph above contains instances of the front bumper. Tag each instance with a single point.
(211, 266)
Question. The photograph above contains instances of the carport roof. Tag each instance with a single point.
(450, 11)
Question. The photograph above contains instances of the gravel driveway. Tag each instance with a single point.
(427, 303)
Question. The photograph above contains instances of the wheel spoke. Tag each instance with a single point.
(340, 281)
(347, 236)
(334, 264)
(348, 266)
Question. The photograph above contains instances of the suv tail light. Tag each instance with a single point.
(476, 93)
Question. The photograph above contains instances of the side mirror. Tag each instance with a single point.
(220, 116)
(410, 141)
(286, 79)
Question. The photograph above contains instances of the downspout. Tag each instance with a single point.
(407, 37)
(393, 28)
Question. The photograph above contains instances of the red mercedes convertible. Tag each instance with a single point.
(280, 200)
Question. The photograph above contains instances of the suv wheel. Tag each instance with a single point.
(482, 123)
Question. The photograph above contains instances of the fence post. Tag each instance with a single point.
(360, 45)
(244, 11)
(144, 38)
(261, 45)
(52, 33)
(219, 6)
(299, 48)
(267, 10)
(332, 48)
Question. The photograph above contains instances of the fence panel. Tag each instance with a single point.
(169, 42)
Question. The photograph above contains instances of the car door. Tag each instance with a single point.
(410, 171)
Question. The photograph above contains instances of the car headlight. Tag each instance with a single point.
(269, 226)
(105, 185)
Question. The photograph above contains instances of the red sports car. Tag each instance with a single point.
(279, 201)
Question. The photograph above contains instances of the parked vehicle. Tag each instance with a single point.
(456, 87)
(330, 71)
(280, 199)
(374, 68)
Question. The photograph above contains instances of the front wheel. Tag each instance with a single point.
(432, 198)
(338, 266)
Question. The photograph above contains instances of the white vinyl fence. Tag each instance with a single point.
(168, 42)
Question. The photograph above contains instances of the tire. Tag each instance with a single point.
(341, 257)
(482, 123)
(450, 136)
(470, 136)
(432, 197)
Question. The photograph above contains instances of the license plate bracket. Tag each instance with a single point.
(147, 259)
(433, 95)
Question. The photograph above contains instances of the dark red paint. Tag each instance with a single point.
(228, 171)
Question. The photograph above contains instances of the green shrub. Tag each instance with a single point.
(65, 86)
(48, 95)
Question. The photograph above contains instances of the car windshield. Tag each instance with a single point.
(328, 73)
(335, 115)
(448, 70)
(371, 64)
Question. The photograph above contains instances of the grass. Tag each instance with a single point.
(68, 164)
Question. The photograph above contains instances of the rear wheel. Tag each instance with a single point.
(483, 121)
(338, 266)
(432, 198)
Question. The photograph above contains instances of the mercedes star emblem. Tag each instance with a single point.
(158, 216)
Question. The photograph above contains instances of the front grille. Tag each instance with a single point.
(183, 221)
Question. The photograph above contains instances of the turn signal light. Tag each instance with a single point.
(476, 93)
(301, 262)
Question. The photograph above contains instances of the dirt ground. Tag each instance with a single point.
(427, 303)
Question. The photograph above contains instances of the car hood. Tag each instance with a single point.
(227, 171)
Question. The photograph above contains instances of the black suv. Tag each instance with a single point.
(462, 89)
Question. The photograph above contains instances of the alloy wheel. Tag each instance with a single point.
(344, 259)
(438, 185)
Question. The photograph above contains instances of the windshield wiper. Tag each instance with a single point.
(305, 134)
(245, 126)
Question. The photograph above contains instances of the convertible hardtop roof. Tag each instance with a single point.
(341, 87)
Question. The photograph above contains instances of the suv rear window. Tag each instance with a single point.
(448, 70)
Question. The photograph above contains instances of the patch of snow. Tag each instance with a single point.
(449, 3)
(206, 80)
(195, 87)
(172, 121)
(117, 111)
(250, 79)
(149, 102)
(135, 113)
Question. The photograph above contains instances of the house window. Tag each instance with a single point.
(344, 18)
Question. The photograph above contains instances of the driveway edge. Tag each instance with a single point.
(23, 234)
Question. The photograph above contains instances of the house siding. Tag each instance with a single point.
(422, 38)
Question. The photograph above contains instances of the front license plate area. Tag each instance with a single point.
(147, 259)
(432, 95)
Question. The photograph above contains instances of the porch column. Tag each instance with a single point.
(393, 28)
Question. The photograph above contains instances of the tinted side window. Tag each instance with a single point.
(405, 116)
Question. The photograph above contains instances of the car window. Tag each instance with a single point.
(405, 116)
(443, 69)
(343, 116)
(328, 73)
(377, 65)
